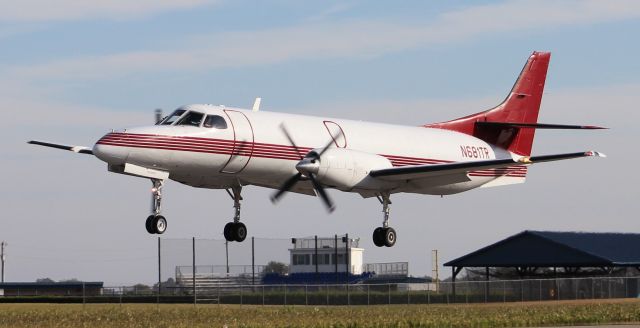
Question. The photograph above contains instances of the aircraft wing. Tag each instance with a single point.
(462, 168)
(75, 149)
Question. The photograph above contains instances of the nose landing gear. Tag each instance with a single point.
(385, 235)
(156, 223)
(236, 230)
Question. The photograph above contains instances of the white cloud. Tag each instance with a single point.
(39, 10)
(346, 39)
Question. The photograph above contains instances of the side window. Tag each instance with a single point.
(192, 119)
(215, 121)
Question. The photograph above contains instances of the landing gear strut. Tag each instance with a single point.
(385, 235)
(236, 230)
(156, 223)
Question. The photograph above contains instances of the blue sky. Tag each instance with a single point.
(70, 72)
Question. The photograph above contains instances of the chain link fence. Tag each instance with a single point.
(220, 272)
(349, 294)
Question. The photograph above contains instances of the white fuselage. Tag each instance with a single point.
(253, 150)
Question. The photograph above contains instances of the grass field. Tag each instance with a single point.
(479, 315)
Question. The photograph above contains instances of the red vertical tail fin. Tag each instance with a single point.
(521, 106)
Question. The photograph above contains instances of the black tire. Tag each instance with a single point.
(149, 224)
(389, 237)
(228, 231)
(378, 237)
(239, 232)
(159, 224)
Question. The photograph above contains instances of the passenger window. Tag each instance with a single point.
(191, 118)
(215, 121)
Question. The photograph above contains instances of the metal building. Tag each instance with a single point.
(530, 251)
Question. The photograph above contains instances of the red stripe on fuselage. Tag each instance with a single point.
(266, 150)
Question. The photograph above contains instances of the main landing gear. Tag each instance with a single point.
(236, 230)
(385, 235)
(156, 223)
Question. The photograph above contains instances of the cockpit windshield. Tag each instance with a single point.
(191, 119)
(173, 117)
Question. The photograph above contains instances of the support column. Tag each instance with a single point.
(454, 273)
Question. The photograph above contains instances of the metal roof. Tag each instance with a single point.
(557, 249)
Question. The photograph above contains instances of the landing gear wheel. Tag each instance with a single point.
(228, 231)
(148, 224)
(389, 237)
(378, 237)
(159, 224)
(235, 231)
(239, 232)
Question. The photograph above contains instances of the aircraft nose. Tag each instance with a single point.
(110, 149)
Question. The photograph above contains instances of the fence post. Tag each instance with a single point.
(336, 254)
(327, 291)
(193, 268)
(428, 294)
(83, 295)
(368, 292)
(466, 294)
(253, 261)
(159, 273)
(540, 290)
(316, 254)
(241, 300)
(262, 295)
(504, 291)
(389, 295)
(558, 289)
(218, 292)
(285, 294)
(306, 297)
(348, 295)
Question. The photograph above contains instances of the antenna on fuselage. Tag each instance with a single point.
(158, 113)
(256, 104)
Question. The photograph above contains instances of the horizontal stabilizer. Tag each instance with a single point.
(537, 126)
(434, 170)
(75, 149)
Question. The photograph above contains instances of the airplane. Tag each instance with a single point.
(218, 147)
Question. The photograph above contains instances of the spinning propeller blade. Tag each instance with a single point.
(287, 185)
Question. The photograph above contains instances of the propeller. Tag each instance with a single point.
(308, 167)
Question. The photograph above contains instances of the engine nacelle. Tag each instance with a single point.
(346, 169)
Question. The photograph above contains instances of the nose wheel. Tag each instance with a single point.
(236, 230)
(385, 235)
(156, 223)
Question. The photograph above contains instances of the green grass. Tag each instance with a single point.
(182, 315)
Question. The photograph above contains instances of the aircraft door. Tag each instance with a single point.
(243, 142)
